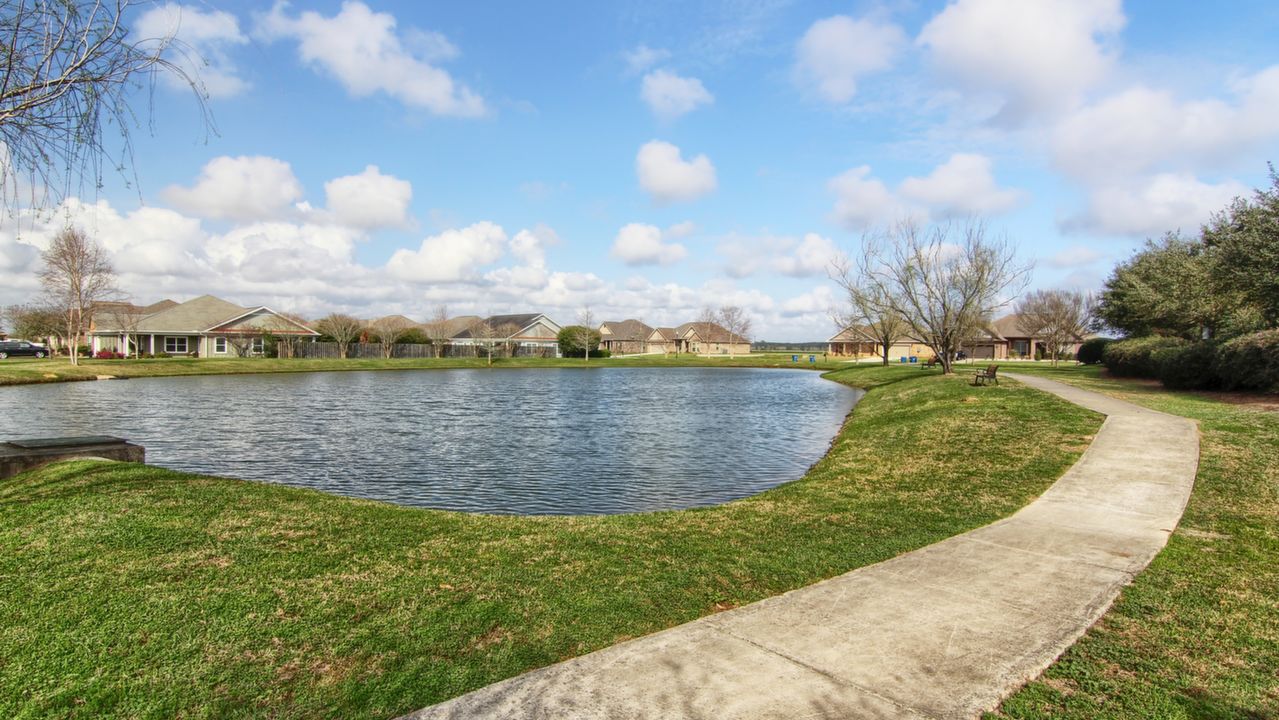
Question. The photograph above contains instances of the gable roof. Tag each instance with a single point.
(192, 316)
(664, 333)
(1008, 326)
(263, 319)
(502, 323)
(709, 332)
(453, 326)
(626, 330)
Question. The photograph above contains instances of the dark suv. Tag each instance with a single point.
(14, 348)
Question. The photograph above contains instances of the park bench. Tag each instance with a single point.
(990, 373)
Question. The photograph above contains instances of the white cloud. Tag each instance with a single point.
(962, 185)
(862, 201)
(369, 200)
(1141, 129)
(1036, 57)
(1074, 256)
(643, 57)
(362, 50)
(817, 302)
(1162, 203)
(239, 188)
(681, 229)
(809, 256)
(451, 256)
(641, 244)
(838, 51)
(667, 177)
(669, 95)
(203, 40)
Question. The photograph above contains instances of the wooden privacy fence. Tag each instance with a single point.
(329, 350)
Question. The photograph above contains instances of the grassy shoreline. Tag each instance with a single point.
(24, 371)
(1197, 633)
(135, 591)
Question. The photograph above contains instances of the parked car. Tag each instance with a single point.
(14, 348)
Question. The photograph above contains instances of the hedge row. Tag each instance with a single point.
(1249, 362)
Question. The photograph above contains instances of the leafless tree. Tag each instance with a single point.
(289, 344)
(71, 68)
(246, 343)
(344, 329)
(76, 277)
(390, 330)
(584, 333)
(705, 326)
(945, 281)
(864, 311)
(437, 329)
(125, 318)
(737, 323)
(484, 338)
(1057, 318)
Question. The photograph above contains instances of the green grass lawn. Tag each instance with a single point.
(18, 371)
(132, 591)
(1196, 635)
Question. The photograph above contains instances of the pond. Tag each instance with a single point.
(524, 441)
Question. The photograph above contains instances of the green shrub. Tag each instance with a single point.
(1250, 362)
(1187, 367)
(577, 353)
(1090, 350)
(1131, 358)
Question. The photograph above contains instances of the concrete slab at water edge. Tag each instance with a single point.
(946, 631)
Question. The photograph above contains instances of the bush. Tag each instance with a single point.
(1131, 358)
(1187, 367)
(577, 353)
(109, 355)
(163, 355)
(1090, 350)
(1250, 362)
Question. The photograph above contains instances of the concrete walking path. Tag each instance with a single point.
(946, 631)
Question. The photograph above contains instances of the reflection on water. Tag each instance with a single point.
(562, 441)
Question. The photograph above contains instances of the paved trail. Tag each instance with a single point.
(946, 631)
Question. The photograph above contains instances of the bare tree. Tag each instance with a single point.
(390, 330)
(125, 319)
(76, 277)
(737, 323)
(484, 338)
(945, 281)
(246, 343)
(705, 326)
(584, 334)
(1057, 318)
(437, 329)
(34, 322)
(344, 329)
(865, 311)
(288, 344)
(71, 68)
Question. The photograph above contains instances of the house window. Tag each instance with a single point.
(175, 345)
(256, 348)
(219, 345)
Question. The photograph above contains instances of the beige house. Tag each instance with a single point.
(522, 334)
(204, 327)
(857, 342)
(628, 337)
(1006, 338)
(698, 338)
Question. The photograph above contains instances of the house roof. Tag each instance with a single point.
(192, 316)
(1008, 326)
(626, 330)
(664, 333)
(403, 320)
(519, 321)
(453, 326)
(708, 332)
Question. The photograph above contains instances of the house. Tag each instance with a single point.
(522, 334)
(1006, 338)
(205, 327)
(700, 338)
(859, 342)
(628, 337)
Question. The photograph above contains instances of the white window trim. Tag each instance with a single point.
(219, 346)
(186, 347)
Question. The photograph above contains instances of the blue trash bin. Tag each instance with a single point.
(794, 358)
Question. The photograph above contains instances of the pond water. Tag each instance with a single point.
(531, 441)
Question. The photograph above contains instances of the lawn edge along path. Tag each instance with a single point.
(946, 631)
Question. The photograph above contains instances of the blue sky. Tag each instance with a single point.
(646, 159)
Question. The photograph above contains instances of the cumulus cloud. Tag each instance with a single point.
(669, 95)
(641, 244)
(362, 50)
(838, 51)
(202, 48)
(369, 200)
(666, 176)
(964, 184)
(1036, 57)
(451, 256)
(1162, 203)
(1074, 256)
(643, 57)
(239, 188)
(1141, 129)
(803, 257)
